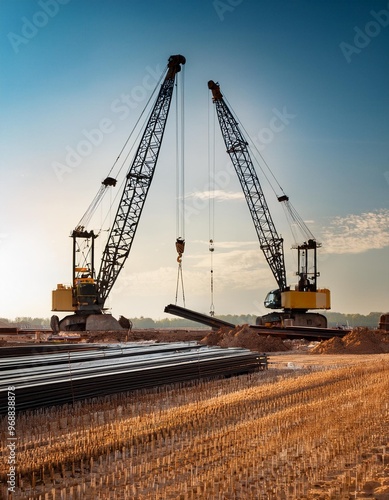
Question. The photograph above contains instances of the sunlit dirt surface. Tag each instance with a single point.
(313, 426)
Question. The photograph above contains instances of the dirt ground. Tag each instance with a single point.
(288, 359)
(334, 447)
(357, 346)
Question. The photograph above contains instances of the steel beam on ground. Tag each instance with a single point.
(300, 332)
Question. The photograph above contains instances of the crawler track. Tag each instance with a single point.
(51, 378)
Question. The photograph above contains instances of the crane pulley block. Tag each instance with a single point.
(109, 181)
(180, 247)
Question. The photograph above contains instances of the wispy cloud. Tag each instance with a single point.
(357, 233)
(217, 195)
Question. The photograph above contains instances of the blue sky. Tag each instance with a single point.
(323, 66)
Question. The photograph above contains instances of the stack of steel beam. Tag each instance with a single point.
(63, 377)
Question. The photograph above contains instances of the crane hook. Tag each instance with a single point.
(180, 247)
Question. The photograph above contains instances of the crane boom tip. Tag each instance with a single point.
(215, 89)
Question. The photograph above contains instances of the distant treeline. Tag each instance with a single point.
(26, 322)
(339, 319)
(334, 319)
(172, 323)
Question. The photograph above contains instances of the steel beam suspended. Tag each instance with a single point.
(204, 319)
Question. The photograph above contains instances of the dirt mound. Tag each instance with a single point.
(244, 336)
(358, 341)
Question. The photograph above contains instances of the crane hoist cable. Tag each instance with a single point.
(110, 181)
(85, 219)
(180, 157)
(212, 307)
(211, 198)
(295, 220)
(258, 152)
(180, 183)
(292, 216)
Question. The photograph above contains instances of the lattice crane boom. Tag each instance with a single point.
(88, 293)
(137, 185)
(294, 302)
(237, 148)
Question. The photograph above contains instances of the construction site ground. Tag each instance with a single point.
(297, 368)
(356, 346)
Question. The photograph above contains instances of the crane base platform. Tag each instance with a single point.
(91, 322)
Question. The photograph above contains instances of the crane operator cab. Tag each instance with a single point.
(82, 296)
(273, 299)
(84, 291)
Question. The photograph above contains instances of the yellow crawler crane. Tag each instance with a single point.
(294, 302)
(89, 291)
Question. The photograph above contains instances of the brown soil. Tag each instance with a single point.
(358, 341)
(243, 336)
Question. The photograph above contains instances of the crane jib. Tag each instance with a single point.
(237, 148)
(137, 185)
(305, 294)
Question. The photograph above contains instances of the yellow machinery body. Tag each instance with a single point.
(295, 299)
(62, 298)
